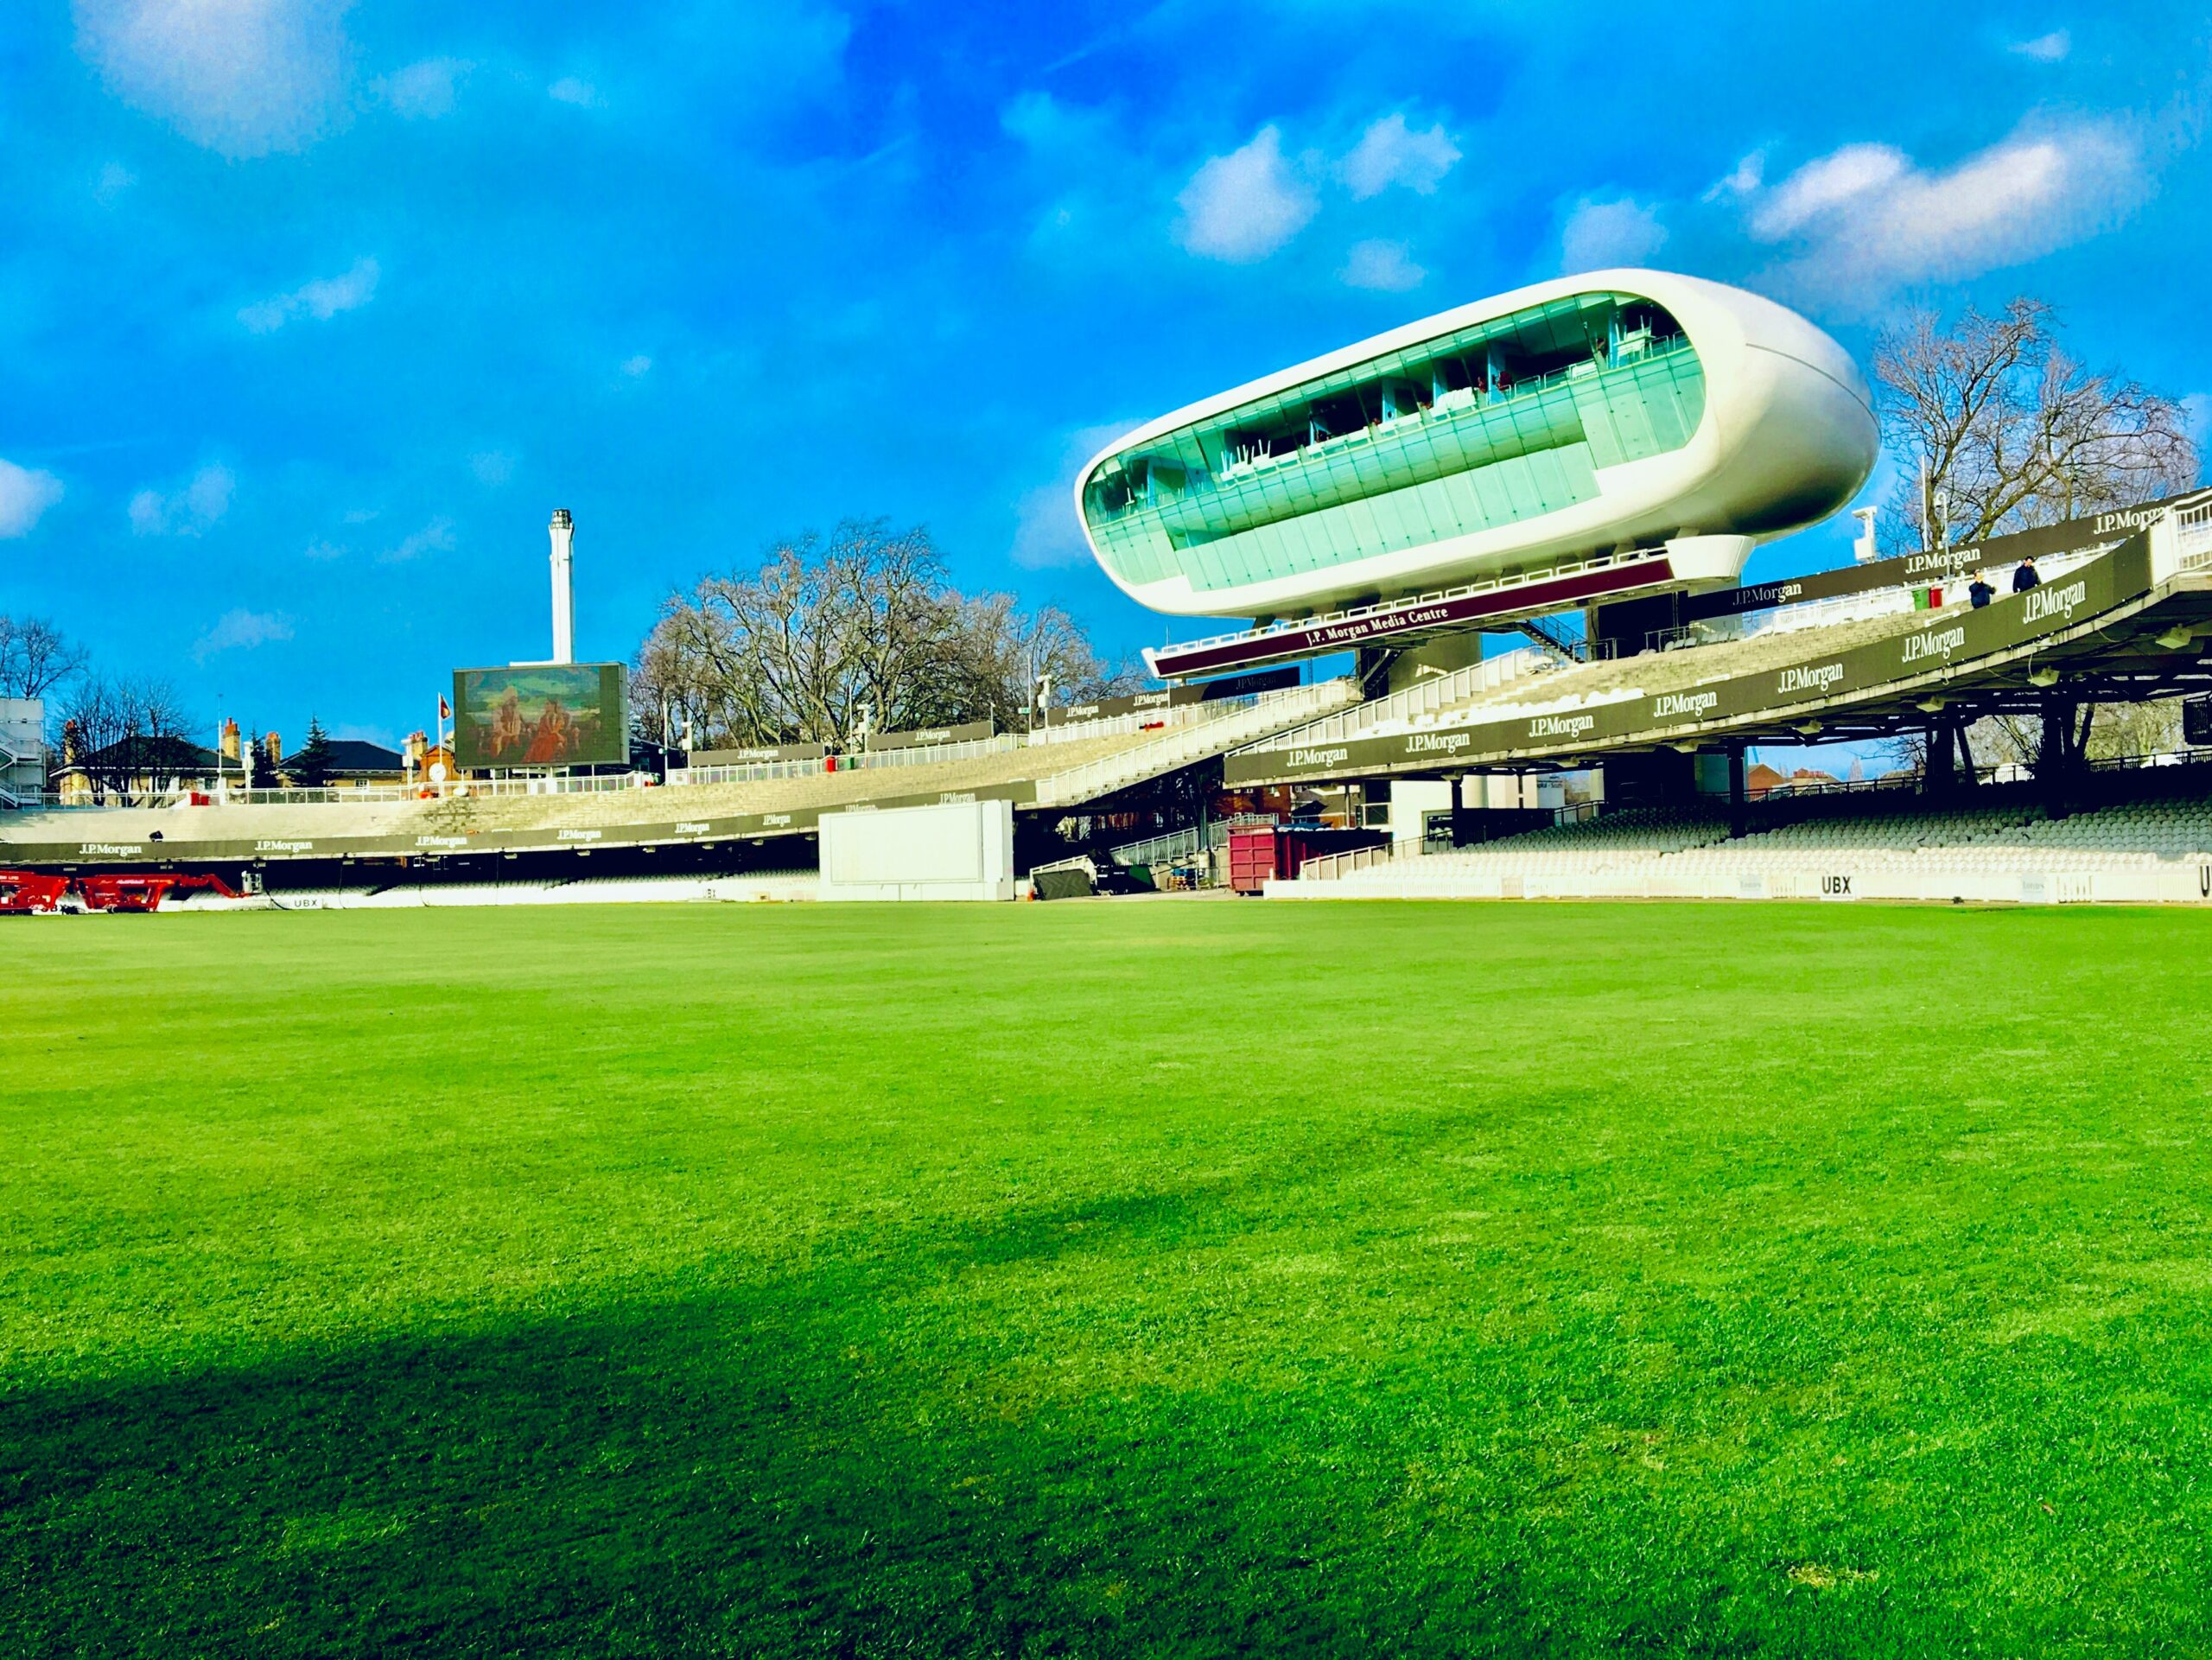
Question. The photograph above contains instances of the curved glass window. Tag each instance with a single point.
(1504, 420)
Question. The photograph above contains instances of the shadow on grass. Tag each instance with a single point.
(818, 1465)
(693, 1478)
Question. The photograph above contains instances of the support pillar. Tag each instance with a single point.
(2061, 758)
(1936, 778)
(1737, 803)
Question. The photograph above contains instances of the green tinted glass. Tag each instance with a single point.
(1492, 425)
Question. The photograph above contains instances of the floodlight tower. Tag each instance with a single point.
(563, 529)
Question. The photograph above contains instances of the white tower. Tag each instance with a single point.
(564, 598)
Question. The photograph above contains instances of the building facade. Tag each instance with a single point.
(1565, 419)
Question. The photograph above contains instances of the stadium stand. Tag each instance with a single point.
(1528, 682)
(1073, 766)
(2149, 843)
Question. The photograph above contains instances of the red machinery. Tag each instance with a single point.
(26, 890)
(22, 892)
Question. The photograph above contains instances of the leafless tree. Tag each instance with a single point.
(2145, 728)
(1995, 420)
(129, 734)
(861, 621)
(35, 656)
(1000, 653)
(2090, 731)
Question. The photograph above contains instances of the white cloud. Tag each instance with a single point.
(114, 179)
(1868, 219)
(322, 300)
(493, 466)
(1241, 206)
(1817, 187)
(323, 552)
(637, 366)
(1389, 153)
(207, 497)
(569, 90)
(436, 536)
(2045, 48)
(1621, 232)
(25, 495)
(1046, 533)
(241, 631)
(424, 91)
(1748, 174)
(241, 77)
(1379, 264)
(203, 499)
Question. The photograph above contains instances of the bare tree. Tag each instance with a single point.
(825, 629)
(2146, 728)
(1000, 653)
(863, 621)
(35, 656)
(1999, 423)
(128, 736)
(2090, 731)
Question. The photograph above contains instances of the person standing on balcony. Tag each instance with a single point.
(2026, 578)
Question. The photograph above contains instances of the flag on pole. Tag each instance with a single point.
(445, 710)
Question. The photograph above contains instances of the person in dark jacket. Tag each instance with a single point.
(1979, 592)
(2026, 578)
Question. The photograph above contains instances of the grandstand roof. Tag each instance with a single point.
(2125, 623)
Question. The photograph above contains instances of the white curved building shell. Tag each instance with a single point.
(1787, 435)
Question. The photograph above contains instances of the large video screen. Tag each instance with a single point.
(540, 715)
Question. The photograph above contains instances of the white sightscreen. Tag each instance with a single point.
(905, 845)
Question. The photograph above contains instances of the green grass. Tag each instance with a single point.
(1182, 1278)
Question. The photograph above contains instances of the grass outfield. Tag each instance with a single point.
(1190, 1277)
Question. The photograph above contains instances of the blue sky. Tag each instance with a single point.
(309, 314)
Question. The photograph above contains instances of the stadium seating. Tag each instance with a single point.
(1065, 771)
(2007, 847)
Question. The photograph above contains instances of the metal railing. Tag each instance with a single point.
(927, 754)
(1257, 716)
(1161, 849)
(2191, 529)
(1423, 698)
(15, 795)
(361, 795)
(931, 755)
(1334, 867)
(746, 772)
(355, 795)
(1137, 721)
